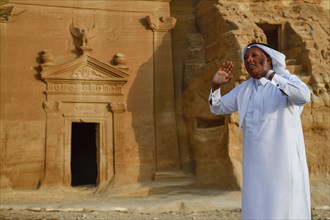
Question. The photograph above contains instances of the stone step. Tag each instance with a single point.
(294, 68)
(153, 187)
(290, 61)
(169, 176)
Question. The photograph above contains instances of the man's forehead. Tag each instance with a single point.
(254, 49)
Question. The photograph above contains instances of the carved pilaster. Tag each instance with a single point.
(51, 107)
(118, 107)
(167, 152)
(161, 24)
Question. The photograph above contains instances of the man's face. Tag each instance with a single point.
(254, 60)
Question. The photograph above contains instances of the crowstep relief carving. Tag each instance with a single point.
(86, 72)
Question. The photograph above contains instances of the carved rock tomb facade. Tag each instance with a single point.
(98, 72)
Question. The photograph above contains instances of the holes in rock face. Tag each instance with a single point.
(83, 154)
(205, 123)
(319, 91)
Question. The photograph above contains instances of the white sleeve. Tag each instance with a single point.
(297, 91)
(226, 104)
(215, 97)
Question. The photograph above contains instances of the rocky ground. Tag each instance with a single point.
(43, 214)
(199, 204)
(98, 215)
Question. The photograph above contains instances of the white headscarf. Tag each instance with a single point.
(278, 58)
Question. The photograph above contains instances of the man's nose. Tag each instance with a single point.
(249, 59)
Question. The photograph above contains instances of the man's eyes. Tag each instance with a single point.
(253, 55)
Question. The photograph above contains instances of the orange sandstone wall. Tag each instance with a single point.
(120, 27)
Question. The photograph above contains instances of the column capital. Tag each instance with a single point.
(117, 107)
(51, 107)
(161, 24)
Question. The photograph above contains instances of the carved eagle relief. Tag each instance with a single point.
(82, 35)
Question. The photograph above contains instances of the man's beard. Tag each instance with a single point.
(261, 61)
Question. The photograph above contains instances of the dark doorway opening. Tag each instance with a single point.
(83, 154)
(273, 34)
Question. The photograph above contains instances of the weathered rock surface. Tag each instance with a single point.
(300, 29)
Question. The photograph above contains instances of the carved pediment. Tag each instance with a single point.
(84, 76)
(85, 68)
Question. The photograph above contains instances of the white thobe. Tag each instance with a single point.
(275, 173)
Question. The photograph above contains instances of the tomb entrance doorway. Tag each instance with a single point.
(84, 150)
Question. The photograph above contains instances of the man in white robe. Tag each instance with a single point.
(275, 173)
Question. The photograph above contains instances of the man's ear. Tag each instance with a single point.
(269, 61)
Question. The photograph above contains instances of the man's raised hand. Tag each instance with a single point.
(222, 76)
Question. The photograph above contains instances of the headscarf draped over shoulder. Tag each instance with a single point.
(278, 58)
